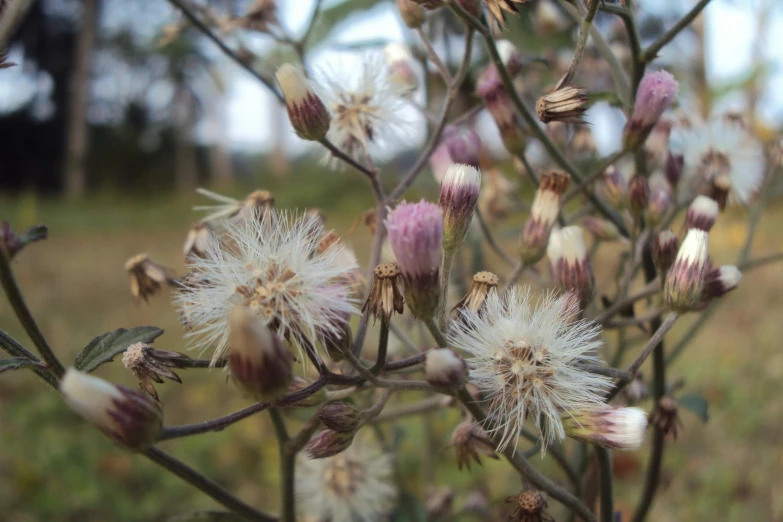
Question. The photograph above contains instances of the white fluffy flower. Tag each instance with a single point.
(273, 266)
(526, 359)
(722, 153)
(353, 486)
(367, 109)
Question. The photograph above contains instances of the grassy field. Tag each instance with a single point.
(55, 467)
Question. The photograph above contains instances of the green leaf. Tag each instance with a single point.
(105, 347)
(35, 233)
(697, 404)
(207, 516)
(15, 363)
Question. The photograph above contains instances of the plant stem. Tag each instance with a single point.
(654, 342)
(607, 500)
(433, 57)
(445, 274)
(13, 347)
(287, 504)
(220, 495)
(383, 345)
(652, 51)
(436, 333)
(15, 298)
(581, 43)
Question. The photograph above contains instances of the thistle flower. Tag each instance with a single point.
(129, 418)
(530, 506)
(566, 104)
(543, 215)
(148, 364)
(146, 277)
(355, 486)
(723, 160)
(702, 214)
(656, 93)
(499, 8)
(610, 427)
(273, 266)
(386, 292)
(470, 442)
(685, 279)
(664, 250)
(399, 62)
(526, 359)
(412, 13)
(416, 234)
(255, 204)
(459, 193)
(367, 109)
(483, 285)
(570, 264)
(196, 242)
(490, 87)
(306, 111)
(444, 367)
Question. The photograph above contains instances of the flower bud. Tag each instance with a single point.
(543, 215)
(12, 243)
(297, 385)
(665, 417)
(146, 277)
(664, 250)
(470, 441)
(459, 193)
(258, 360)
(657, 92)
(130, 418)
(306, 111)
(702, 214)
(412, 13)
(608, 426)
(416, 233)
(386, 293)
(464, 145)
(199, 236)
(510, 56)
(328, 443)
(720, 281)
(399, 61)
(685, 279)
(340, 417)
(444, 367)
(660, 200)
(484, 284)
(490, 87)
(570, 264)
(673, 168)
(614, 186)
(638, 195)
(601, 229)
(566, 105)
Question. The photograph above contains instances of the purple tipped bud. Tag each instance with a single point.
(570, 264)
(660, 200)
(614, 186)
(307, 113)
(464, 145)
(399, 62)
(610, 427)
(657, 92)
(664, 250)
(674, 164)
(444, 367)
(490, 87)
(720, 281)
(702, 214)
(459, 193)
(416, 234)
(131, 419)
(638, 194)
(510, 56)
(685, 279)
(340, 417)
(258, 361)
(601, 229)
(412, 13)
(543, 214)
(328, 443)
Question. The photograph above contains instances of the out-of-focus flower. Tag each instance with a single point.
(510, 56)
(566, 105)
(601, 229)
(459, 194)
(685, 278)
(146, 277)
(664, 250)
(444, 367)
(656, 93)
(660, 199)
(272, 266)
(491, 88)
(457, 145)
(665, 417)
(570, 264)
(498, 197)
(499, 8)
(400, 64)
(412, 13)
(470, 443)
(638, 194)
(306, 111)
(702, 214)
(527, 359)
(483, 285)
(543, 215)
(355, 486)
(196, 242)
(260, 16)
(718, 282)
(614, 186)
(149, 365)
(610, 427)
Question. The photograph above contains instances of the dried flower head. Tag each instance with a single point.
(543, 215)
(723, 160)
(306, 111)
(445, 368)
(196, 242)
(610, 427)
(499, 8)
(355, 486)
(685, 279)
(459, 192)
(149, 365)
(665, 417)
(272, 266)
(129, 418)
(146, 277)
(702, 214)
(570, 264)
(567, 104)
(530, 506)
(367, 110)
(386, 292)
(526, 359)
(484, 284)
(255, 205)
(471, 442)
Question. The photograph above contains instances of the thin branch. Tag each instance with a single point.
(434, 58)
(605, 465)
(656, 338)
(427, 405)
(652, 51)
(287, 501)
(383, 345)
(648, 291)
(581, 43)
(342, 156)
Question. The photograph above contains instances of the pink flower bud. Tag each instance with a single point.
(657, 92)
(570, 265)
(459, 193)
(685, 279)
(328, 443)
(399, 62)
(638, 194)
(608, 426)
(702, 213)
(496, 99)
(340, 417)
(444, 367)
(306, 111)
(664, 250)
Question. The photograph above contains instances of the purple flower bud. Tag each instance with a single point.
(660, 200)
(510, 56)
(685, 279)
(614, 186)
(657, 92)
(328, 443)
(464, 145)
(340, 417)
(601, 229)
(570, 264)
(307, 113)
(444, 367)
(459, 193)
(702, 214)
(664, 250)
(720, 281)
(416, 235)
(399, 62)
(638, 194)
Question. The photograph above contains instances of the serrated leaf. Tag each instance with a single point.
(207, 516)
(15, 363)
(697, 404)
(106, 346)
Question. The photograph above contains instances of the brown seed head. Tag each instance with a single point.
(146, 276)
(484, 284)
(566, 105)
(386, 293)
(149, 365)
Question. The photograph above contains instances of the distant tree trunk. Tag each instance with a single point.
(78, 128)
(186, 167)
